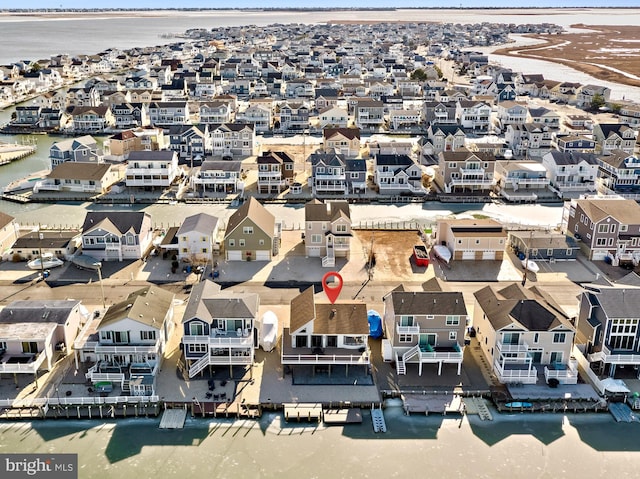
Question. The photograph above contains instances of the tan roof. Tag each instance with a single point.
(257, 213)
(148, 306)
(5, 219)
(341, 318)
(625, 211)
(302, 309)
(79, 171)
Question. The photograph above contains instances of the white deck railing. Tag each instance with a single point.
(362, 358)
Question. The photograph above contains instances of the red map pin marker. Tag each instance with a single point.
(332, 291)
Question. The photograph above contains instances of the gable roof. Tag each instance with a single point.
(123, 221)
(148, 306)
(428, 302)
(208, 301)
(5, 219)
(623, 210)
(79, 170)
(316, 210)
(201, 222)
(257, 213)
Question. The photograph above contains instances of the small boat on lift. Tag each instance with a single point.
(47, 261)
(530, 265)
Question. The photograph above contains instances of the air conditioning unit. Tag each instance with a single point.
(552, 260)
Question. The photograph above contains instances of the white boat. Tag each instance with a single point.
(442, 252)
(47, 261)
(268, 330)
(530, 265)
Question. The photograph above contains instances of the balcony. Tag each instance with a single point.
(528, 181)
(564, 373)
(266, 175)
(472, 171)
(521, 347)
(413, 329)
(21, 363)
(103, 348)
(312, 356)
(613, 356)
(221, 340)
(515, 372)
(485, 183)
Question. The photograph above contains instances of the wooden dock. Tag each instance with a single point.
(477, 405)
(334, 417)
(432, 403)
(303, 411)
(173, 419)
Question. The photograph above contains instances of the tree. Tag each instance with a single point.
(615, 108)
(597, 102)
(418, 74)
(35, 67)
(438, 71)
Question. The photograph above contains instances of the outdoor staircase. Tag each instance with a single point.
(329, 261)
(400, 366)
(198, 366)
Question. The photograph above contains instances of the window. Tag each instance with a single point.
(147, 335)
(197, 348)
(261, 242)
(353, 340)
(247, 230)
(341, 228)
(624, 228)
(453, 320)
(453, 335)
(241, 242)
(603, 228)
(196, 328)
(3, 346)
(559, 337)
(204, 250)
(405, 338)
(317, 239)
(601, 241)
(30, 347)
(232, 242)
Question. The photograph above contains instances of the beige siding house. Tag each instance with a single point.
(472, 239)
(327, 230)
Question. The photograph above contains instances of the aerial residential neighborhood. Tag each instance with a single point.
(265, 144)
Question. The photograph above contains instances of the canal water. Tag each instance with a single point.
(519, 446)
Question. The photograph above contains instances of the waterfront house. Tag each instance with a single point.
(127, 344)
(218, 176)
(397, 175)
(614, 136)
(80, 177)
(344, 141)
(540, 245)
(35, 333)
(27, 115)
(630, 113)
(605, 227)
(9, 230)
(571, 174)
(197, 236)
(259, 114)
(369, 114)
(404, 119)
(188, 141)
(275, 171)
(294, 116)
(520, 330)
(472, 239)
(439, 112)
(94, 119)
(444, 137)
(520, 180)
(328, 173)
(327, 231)
(464, 170)
(169, 113)
(326, 338)
(619, 174)
(608, 332)
(219, 328)
(150, 169)
(215, 111)
(59, 243)
(232, 139)
(333, 117)
(529, 139)
(252, 233)
(82, 149)
(587, 93)
(130, 115)
(511, 113)
(392, 147)
(116, 235)
(425, 327)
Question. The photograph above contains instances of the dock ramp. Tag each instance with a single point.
(621, 412)
(377, 418)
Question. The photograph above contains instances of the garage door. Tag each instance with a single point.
(234, 255)
(469, 255)
(313, 251)
(263, 256)
(598, 254)
(488, 255)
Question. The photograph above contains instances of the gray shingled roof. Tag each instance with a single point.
(201, 222)
(38, 311)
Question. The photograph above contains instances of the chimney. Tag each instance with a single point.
(333, 313)
(328, 207)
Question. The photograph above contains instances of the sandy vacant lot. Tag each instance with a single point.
(599, 52)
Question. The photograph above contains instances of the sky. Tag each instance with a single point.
(28, 4)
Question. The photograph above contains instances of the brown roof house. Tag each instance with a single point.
(326, 339)
(424, 327)
(252, 233)
(8, 232)
(126, 345)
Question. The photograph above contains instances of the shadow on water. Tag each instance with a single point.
(545, 429)
(603, 434)
(399, 426)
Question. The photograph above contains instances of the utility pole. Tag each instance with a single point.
(40, 238)
(104, 304)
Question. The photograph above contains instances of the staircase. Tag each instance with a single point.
(199, 365)
(400, 367)
(329, 261)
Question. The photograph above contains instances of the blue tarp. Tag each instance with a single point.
(375, 324)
